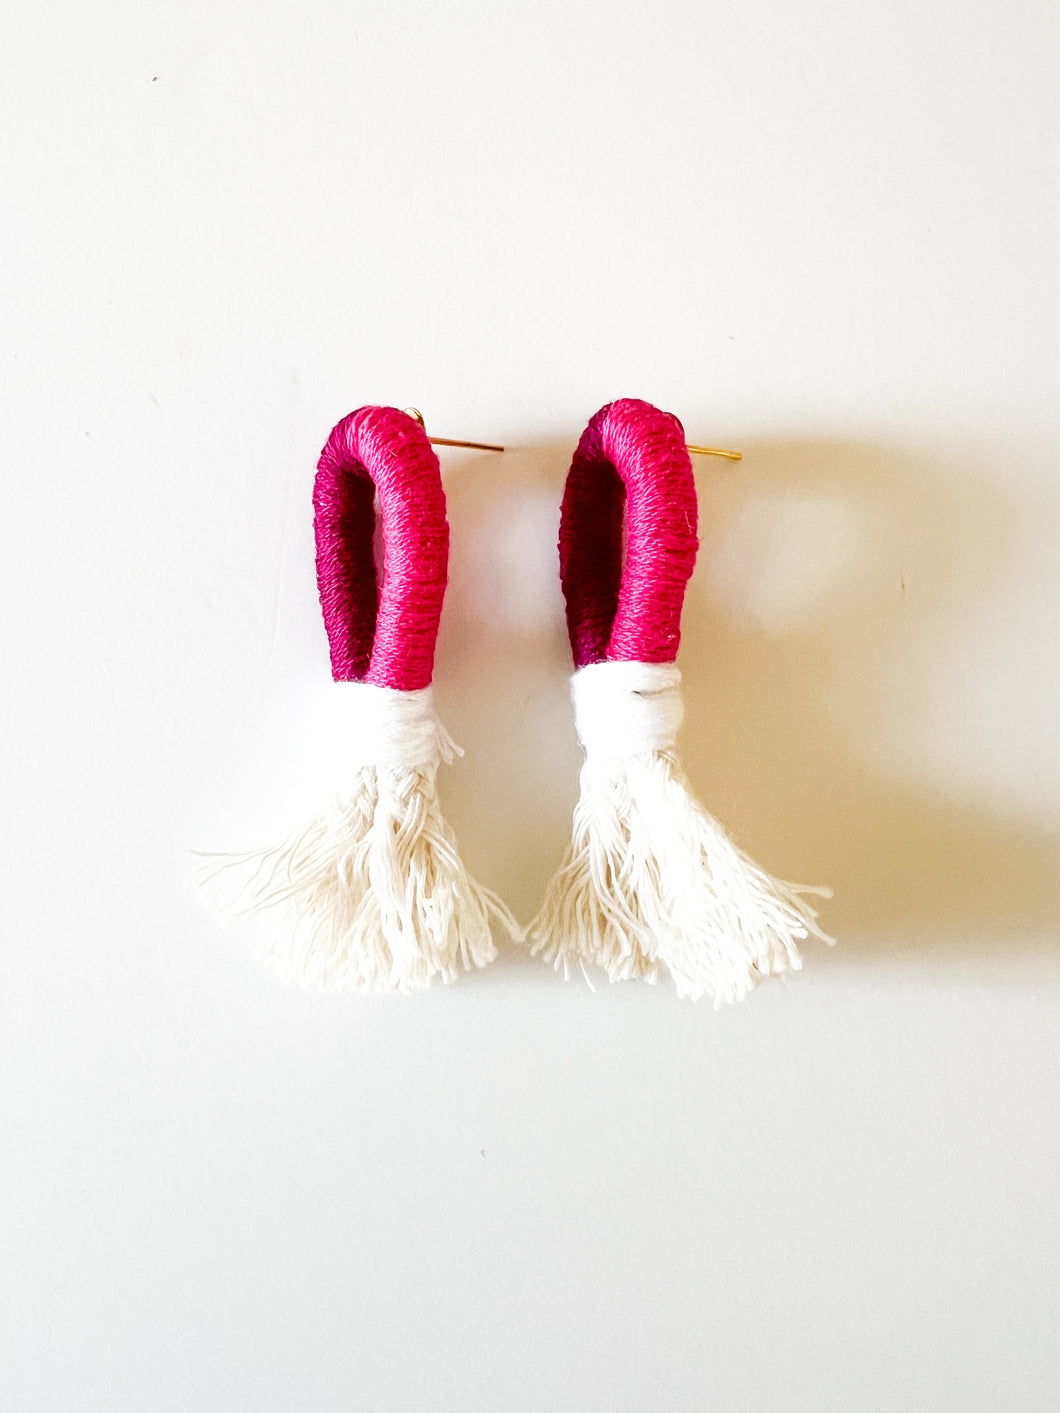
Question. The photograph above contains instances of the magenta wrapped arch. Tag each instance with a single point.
(631, 466)
(383, 633)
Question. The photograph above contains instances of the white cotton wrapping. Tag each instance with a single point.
(652, 884)
(371, 894)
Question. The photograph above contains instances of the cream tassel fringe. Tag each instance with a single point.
(373, 893)
(652, 883)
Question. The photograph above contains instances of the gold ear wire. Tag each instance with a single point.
(417, 416)
(714, 451)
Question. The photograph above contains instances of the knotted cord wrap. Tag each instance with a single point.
(388, 729)
(651, 883)
(373, 890)
(627, 708)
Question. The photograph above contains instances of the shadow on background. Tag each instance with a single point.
(812, 691)
(833, 577)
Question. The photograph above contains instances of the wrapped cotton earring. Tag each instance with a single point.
(372, 893)
(651, 883)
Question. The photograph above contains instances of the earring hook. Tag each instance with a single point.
(714, 451)
(417, 416)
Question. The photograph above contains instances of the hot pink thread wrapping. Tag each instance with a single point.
(384, 634)
(631, 463)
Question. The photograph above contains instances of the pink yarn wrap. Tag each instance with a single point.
(631, 463)
(381, 633)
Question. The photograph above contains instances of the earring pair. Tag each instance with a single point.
(373, 889)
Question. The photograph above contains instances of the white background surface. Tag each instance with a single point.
(824, 233)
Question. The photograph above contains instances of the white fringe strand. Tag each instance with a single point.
(652, 884)
(372, 892)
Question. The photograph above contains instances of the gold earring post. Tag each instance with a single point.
(714, 451)
(417, 416)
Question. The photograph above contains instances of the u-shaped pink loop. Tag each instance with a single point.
(631, 463)
(381, 633)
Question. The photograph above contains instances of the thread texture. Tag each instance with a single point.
(381, 633)
(631, 464)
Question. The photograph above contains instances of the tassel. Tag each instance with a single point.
(651, 883)
(374, 892)
(371, 894)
